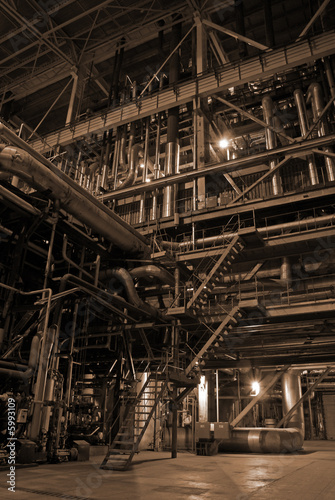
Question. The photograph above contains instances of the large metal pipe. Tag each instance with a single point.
(12, 138)
(171, 168)
(303, 224)
(172, 146)
(261, 440)
(315, 93)
(124, 277)
(271, 141)
(102, 221)
(151, 271)
(304, 125)
(135, 154)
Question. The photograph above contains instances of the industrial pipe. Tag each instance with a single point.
(303, 123)
(135, 154)
(124, 277)
(297, 149)
(262, 440)
(105, 223)
(271, 140)
(210, 240)
(172, 141)
(315, 93)
(151, 271)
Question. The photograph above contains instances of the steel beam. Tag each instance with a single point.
(314, 18)
(255, 399)
(231, 75)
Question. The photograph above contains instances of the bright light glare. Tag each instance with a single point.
(147, 180)
(255, 388)
(224, 143)
(141, 165)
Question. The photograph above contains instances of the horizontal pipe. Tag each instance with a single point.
(261, 440)
(105, 223)
(299, 148)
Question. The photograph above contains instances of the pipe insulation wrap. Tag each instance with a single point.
(263, 440)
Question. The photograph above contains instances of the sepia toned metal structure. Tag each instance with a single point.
(167, 187)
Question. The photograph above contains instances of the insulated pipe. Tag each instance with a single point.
(286, 272)
(210, 240)
(271, 140)
(103, 222)
(151, 271)
(261, 440)
(304, 126)
(171, 168)
(135, 155)
(172, 146)
(315, 92)
(124, 277)
(6, 133)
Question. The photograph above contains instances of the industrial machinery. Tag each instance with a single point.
(167, 230)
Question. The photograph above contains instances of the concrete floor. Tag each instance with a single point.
(308, 475)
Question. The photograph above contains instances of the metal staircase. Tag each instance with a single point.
(223, 329)
(135, 422)
(219, 267)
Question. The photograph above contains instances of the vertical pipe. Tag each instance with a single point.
(172, 146)
(304, 125)
(268, 21)
(240, 27)
(271, 141)
(291, 393)
(315, 92)
(330, 76)
(145, 169)
(177, 287)
(217, 395)
(156, 166)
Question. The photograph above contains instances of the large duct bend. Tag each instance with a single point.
(124, 277)
(75, 201)
(151, 271)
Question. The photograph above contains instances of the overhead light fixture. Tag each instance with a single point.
(141, 165)
(224, 143)
(255, 388)
(147, 180)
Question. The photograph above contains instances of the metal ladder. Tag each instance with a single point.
(136, 420)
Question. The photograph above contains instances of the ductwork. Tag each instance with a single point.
(315, 94)
(151, 271)
(262, 440)
(124, 277)
(75, 201)
(271, 140)
(303, 122)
